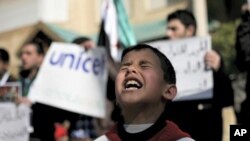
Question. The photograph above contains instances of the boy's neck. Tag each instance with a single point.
(143, 114)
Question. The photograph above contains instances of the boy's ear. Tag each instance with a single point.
(170, 92)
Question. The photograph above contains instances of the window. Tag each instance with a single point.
(53, 10)
(169, 2)
(159, 4)
(156, 4)
(18, 13)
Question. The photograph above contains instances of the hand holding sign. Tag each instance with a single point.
(194, 81)
(213, 60)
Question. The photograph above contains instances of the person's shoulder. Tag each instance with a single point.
(102, 138)
(186, 139)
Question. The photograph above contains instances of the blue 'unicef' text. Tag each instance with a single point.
(87, 64)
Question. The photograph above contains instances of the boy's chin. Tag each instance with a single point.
(133, 104)
(129, 103)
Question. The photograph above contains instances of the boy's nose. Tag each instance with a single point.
(131, 69)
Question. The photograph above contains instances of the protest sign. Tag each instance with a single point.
(9, 91)
(14, 122)
(194, 78)
(72, 79)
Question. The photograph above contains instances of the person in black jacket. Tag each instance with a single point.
(201, 118)
(243, 59)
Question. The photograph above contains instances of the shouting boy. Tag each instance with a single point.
(145, 83)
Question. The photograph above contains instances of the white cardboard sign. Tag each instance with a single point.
(194, 78)
(73, 79)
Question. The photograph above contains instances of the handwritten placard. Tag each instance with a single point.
(194, 78)
(10, 91)
(14, 122)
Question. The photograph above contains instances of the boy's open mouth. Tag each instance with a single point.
(132, 84)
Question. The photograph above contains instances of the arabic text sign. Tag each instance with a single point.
(194, 78)
(14, 122)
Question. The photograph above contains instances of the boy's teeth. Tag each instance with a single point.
(132, 88)
(132, 82)
(132, 85)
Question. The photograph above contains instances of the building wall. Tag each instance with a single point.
(12, 41)
(145, 12)
(84, 17)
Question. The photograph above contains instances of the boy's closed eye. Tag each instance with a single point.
(125, 65)
(145, 64)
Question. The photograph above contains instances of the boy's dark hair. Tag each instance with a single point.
(80, 40)
(185, 16)
(167, 67)
(4, 56)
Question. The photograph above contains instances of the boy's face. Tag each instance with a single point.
(176, 30)
(140, 79)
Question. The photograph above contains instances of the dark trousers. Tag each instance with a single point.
(44, 117)
(244, 115)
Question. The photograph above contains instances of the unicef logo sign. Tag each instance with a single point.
(78, 62)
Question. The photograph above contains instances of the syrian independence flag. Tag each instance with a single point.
(115, 33)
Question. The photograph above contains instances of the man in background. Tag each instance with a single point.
(5, 77)
(31, 55)
(202, 119)
(4, 65)
(242, 47)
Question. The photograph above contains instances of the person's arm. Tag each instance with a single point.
(242, 46)
(112, 68)
(223, 91)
